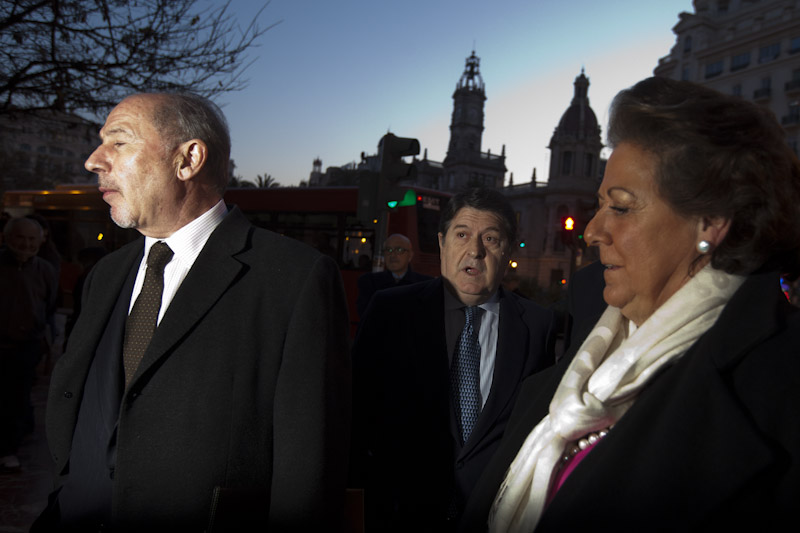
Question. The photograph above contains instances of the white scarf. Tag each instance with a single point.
(601, 383)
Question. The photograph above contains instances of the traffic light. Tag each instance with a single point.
(409, 198)
(394, 170)
(568, 230)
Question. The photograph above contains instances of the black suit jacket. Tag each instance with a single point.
(713, 442)
(243, 395)
(371, 282)
(585, 301)
(407, 453)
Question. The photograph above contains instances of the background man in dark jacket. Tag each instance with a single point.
(398, 253)
(28, 291)
(434, 388)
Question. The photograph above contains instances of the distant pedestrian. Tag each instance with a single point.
(398, 253)
(27, 297)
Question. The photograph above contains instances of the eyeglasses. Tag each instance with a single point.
(388, 251)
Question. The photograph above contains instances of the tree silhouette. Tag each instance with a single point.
(266, 181)
(85, 56)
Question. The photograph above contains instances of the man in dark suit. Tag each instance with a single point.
(398, 253)
(237, 411)
(436, 370)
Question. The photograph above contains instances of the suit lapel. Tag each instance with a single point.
(429, 325)
(212, 273)
(107, 286)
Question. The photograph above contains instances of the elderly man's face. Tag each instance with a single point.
(137, 171)
(474, 255)
(25, 239)
(400, 256)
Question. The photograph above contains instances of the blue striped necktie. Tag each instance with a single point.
(465, 374)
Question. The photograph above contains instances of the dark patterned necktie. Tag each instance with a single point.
(465, 375)
(143, 318)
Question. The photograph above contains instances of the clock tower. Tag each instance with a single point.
(466, 124)
(465, 164)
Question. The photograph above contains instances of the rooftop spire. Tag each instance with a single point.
(471, 78)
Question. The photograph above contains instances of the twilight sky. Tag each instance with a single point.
(335, 75)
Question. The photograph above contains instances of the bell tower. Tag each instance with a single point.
(466, 124)
(466, 165)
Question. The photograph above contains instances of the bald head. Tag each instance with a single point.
(23, 236)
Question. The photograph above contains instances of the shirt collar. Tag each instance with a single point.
(492, 305)
(187, 242)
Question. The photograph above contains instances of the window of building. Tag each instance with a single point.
(566, 163)
(722, 7)
(588, 165)
(769, 52)
(714, 69)
(794, 45)
(737, 90)
(687, 44)
(765, 90)
(740, 61)
(685, 74)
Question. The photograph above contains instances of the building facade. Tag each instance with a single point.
(749, 48)
(465, 165)
(43, 149)
(548, 253)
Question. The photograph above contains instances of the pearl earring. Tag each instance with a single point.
(703, 247)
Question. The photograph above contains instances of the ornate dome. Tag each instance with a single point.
(579, 120)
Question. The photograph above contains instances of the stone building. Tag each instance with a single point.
(42, 149)
(465, 165)
(749, 48)
(548, 255)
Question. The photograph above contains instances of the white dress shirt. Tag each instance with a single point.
(186, 244)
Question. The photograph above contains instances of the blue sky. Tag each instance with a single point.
(335, 75)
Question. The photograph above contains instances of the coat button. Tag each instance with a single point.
(67, 395)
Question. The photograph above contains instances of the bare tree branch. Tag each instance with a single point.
(85, 55)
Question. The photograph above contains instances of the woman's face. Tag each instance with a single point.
(646, 247)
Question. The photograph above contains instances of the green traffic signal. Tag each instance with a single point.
(409, 198)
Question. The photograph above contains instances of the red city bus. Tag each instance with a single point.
(322, 217)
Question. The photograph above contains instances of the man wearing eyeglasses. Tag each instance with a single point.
(436, 369)
(397, 253)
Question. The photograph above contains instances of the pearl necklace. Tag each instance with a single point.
(589, 440)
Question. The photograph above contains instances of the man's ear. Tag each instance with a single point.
(713, 229)
(191, 158)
